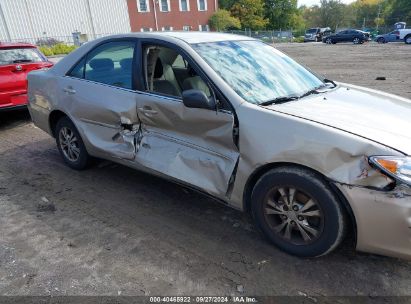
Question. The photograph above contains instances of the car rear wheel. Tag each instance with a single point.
(381, 40)
(298, 212)
(407, 39)
(70, 145)
(328, 41)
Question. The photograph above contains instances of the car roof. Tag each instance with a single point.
(190, 37)
(11, 45)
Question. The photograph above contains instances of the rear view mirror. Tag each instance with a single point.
(198, 99)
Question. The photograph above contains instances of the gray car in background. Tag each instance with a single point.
(310, 159)
(316, 34)
(393, 36)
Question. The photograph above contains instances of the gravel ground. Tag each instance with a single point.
(111, 230)
(358, 64)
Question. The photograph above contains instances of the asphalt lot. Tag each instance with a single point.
(111, 230)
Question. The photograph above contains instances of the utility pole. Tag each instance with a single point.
(93, 29)
(155, 2)
(3, 19)
(378, 16)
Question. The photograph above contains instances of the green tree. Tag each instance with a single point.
(281, 13)
(311, 15)
(331, 14)
(297, 22)
(221, 20)
(250, 13)
(226, 4)
(397, 10)
(365, 12)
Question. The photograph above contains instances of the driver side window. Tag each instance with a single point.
(166, 72)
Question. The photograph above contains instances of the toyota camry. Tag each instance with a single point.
(309, 158)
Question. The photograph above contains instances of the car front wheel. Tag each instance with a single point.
(356, 40)
(381, 40)
(298, 212)
(328, 41)
(70, 145)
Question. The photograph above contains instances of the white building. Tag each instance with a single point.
(30, 20)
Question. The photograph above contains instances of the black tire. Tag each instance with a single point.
(357, 40)
(407, 39)
(83, 159)
(381, 40)
(308, 184)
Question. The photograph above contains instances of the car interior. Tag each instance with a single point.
(110, 64)
(166, 72)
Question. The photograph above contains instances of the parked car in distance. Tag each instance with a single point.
(405, 35)
(16, 61)
(354, 36)
(393, 36)
(233, 117)
(316, 34)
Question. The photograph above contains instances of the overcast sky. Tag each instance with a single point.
(312, 2)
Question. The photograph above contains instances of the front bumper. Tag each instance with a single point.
(383, 219)
(310, 39)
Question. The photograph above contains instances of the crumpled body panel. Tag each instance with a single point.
(194, 146)
(100, 117)
(303, 142)
(383, 219)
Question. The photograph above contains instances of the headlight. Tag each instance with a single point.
(394, 166)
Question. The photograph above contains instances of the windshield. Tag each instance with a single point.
(21, 55)
(310, 31)
(256, 71)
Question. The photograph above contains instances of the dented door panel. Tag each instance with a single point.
(194, 146)
(106, 117)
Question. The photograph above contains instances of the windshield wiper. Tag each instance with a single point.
(278, 100)
(330, 81)
(315, 90)
(283, 99)
(22, 60)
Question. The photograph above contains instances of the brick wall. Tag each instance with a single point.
(173, 18)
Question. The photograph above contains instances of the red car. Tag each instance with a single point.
(16, 61)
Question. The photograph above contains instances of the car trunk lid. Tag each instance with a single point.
(13, 79)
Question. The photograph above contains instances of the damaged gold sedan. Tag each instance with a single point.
(230, 116)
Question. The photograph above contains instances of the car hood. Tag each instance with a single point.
(375, 115)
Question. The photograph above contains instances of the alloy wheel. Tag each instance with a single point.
(408, 40)
(69, 144)
(328, 41)
(293, 215)
(356, 41)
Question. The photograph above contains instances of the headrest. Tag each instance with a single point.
(102, 64)
(191, 71)
(159, 70)
(126, 63)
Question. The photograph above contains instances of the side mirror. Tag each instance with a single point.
(198, 99)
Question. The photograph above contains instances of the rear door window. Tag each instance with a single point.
(20, 55)
(110, 63)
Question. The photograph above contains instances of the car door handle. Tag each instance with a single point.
(69, 90)
(148, 111)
